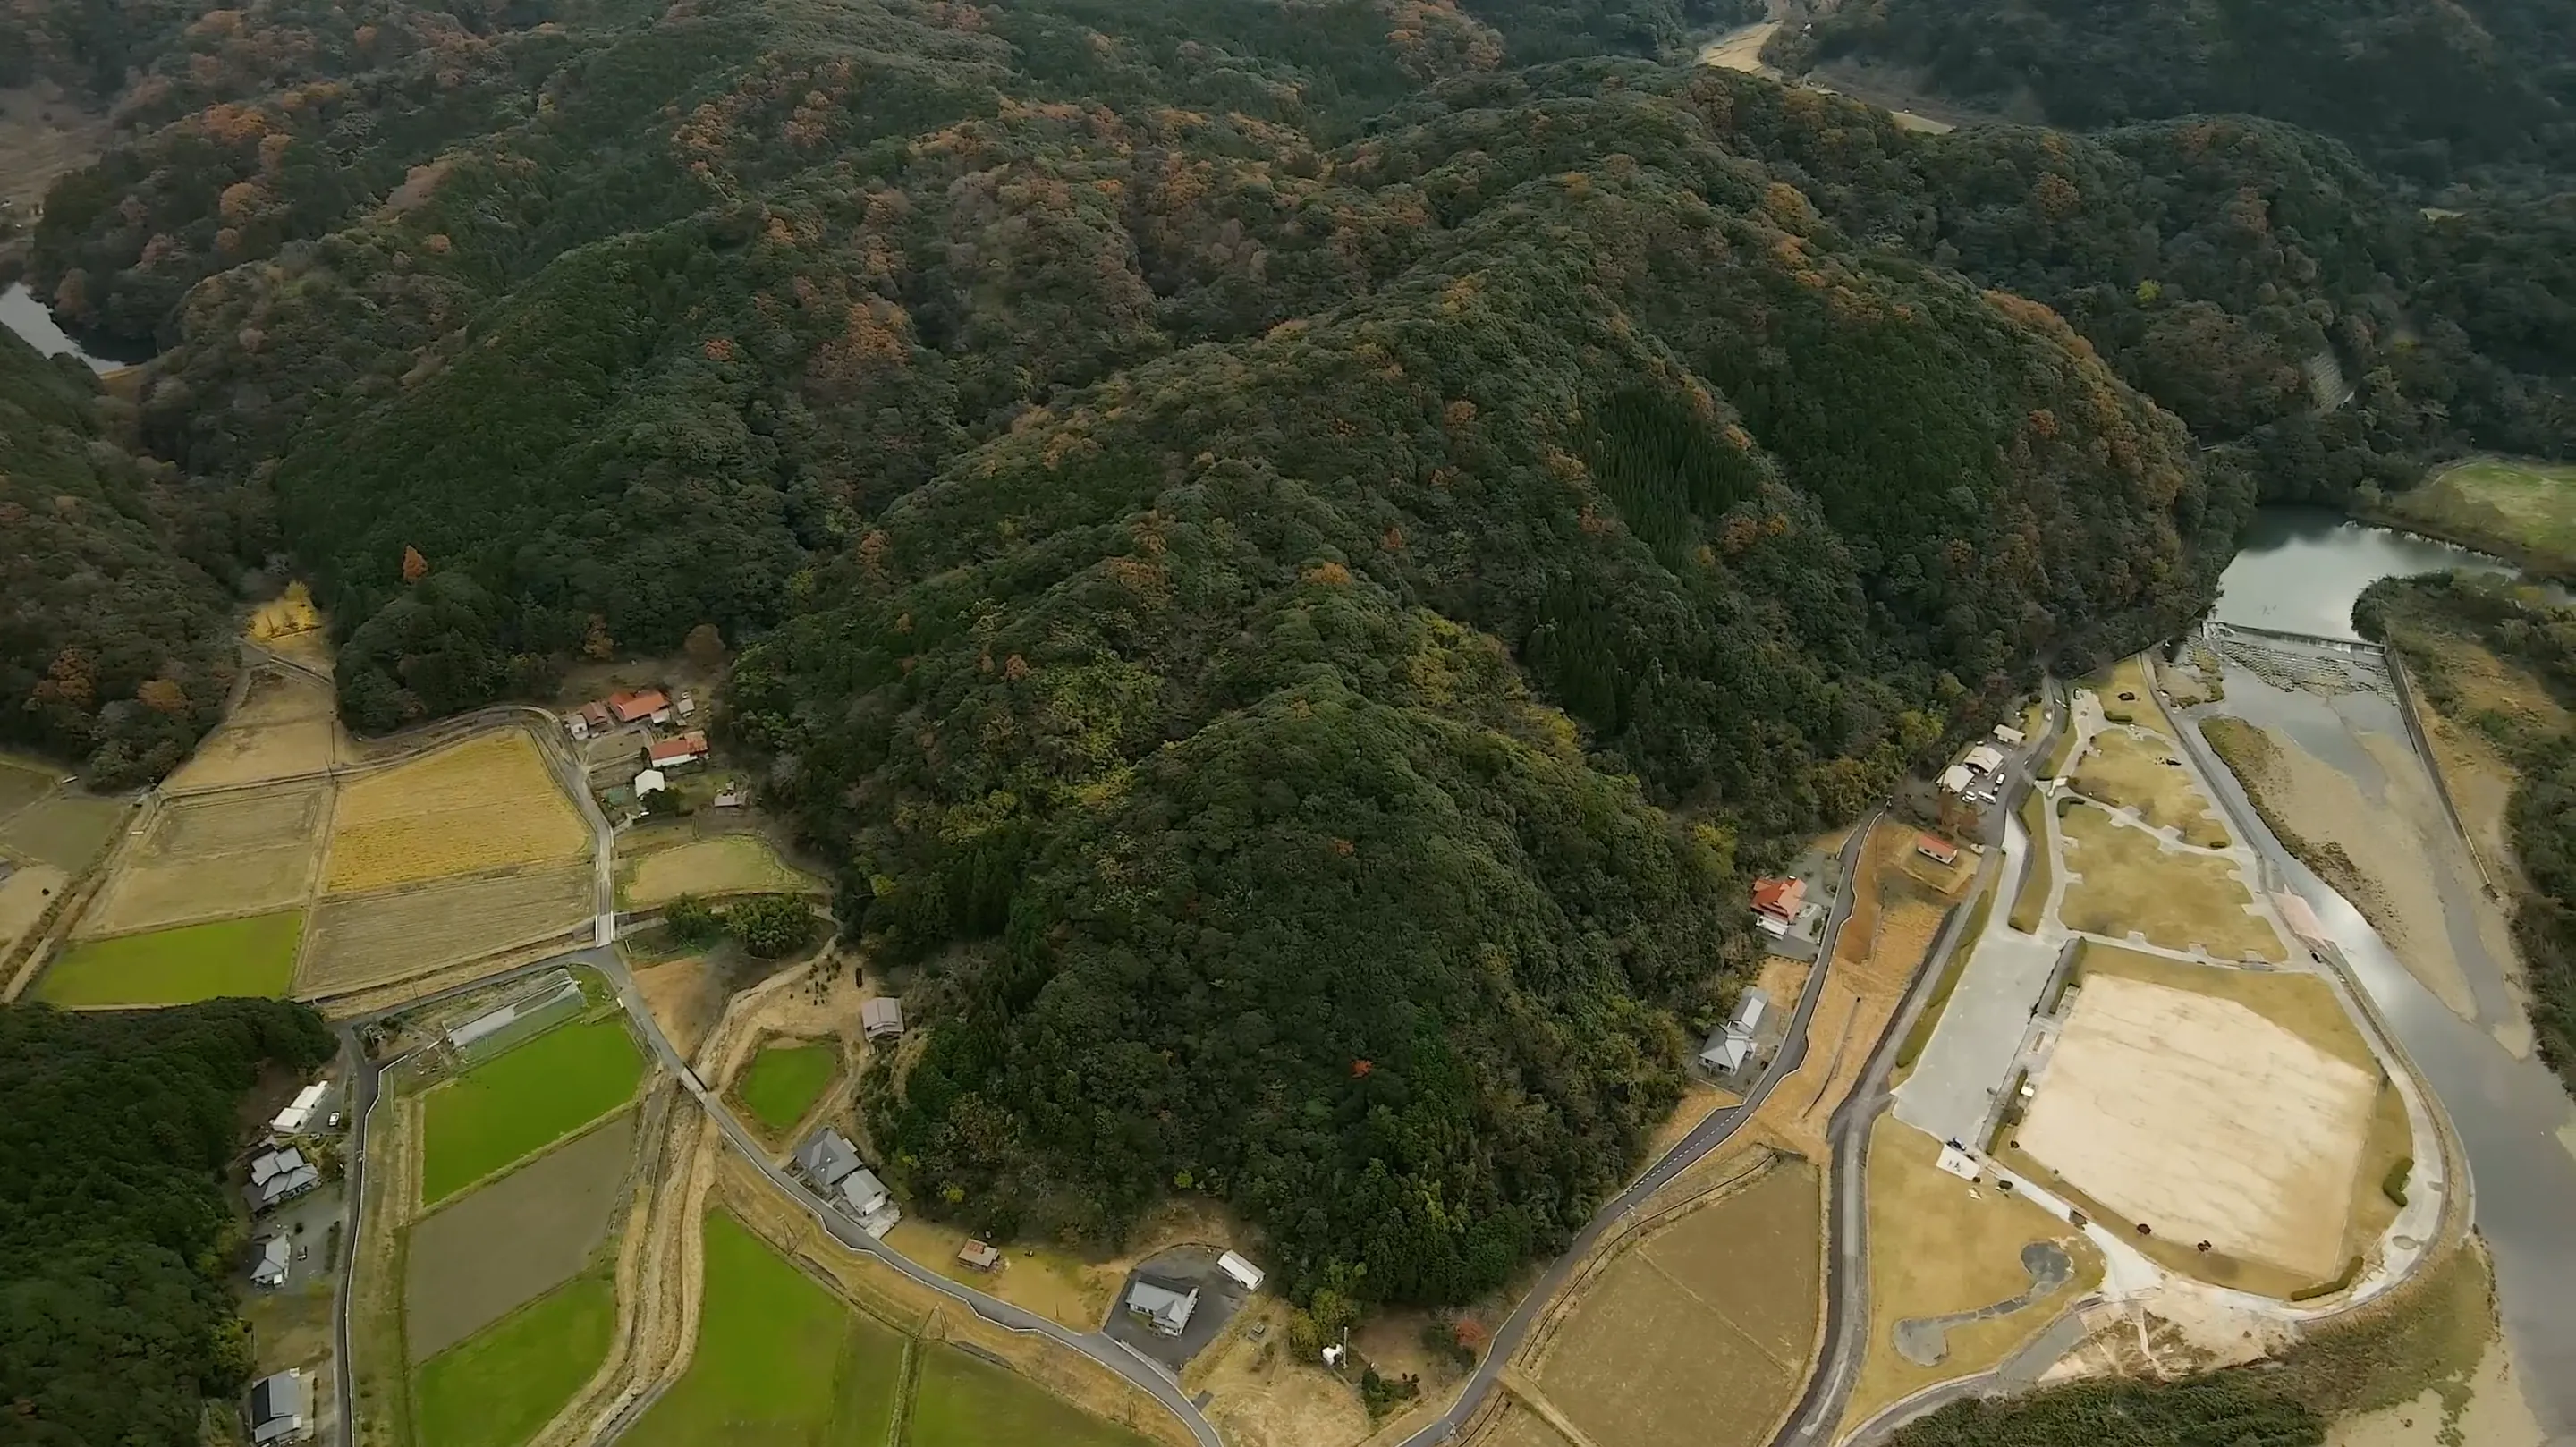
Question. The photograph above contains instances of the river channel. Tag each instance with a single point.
(2299, 572)
(20, 312)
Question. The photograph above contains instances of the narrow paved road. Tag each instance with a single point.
(1707, 1136)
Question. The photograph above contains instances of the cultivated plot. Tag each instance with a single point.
(213, 856)
(286, 726)
(2130, 882)
(497, 1388)
(965, 1402)
(366, 940)
(785, 1080)
(778, 1358)
(251, 956)
(725, 864)
(492, 1250)
(69, 831)
(21, 785)
(2203, 1120)
(1701, 1334)
(514, 1105)
(2124, 771)
(488, 803)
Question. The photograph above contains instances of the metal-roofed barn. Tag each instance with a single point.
(881, 1017)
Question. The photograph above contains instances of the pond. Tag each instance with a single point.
(28, 317)
(2300, 568)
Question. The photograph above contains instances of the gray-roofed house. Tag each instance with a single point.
(278, 1411)
(277, 1177)
(1166, 1309)
(862, 1193)
(269, 1267)
(826, 1158)
(1732, 1044)
(881, 1018)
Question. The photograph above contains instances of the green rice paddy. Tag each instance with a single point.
(784, 1081)
(512, 1106)
(251, 956)
(779, 1359)
(964, 1402)
(498, 1386)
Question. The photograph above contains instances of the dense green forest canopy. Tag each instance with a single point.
(2429, 89)
(115, 633)
(1296, 555)
(117, 1234)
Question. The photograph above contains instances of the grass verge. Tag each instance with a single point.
(2038, 870)
(1960, 949)
(251, 956)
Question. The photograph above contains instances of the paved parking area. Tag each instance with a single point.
(1969, 1058)
(1220, 1297)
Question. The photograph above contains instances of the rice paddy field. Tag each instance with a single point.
(211, 856)
(725, 864)
(785, 1080)
(778, 1359)
(491, 1251)
(365, 940)
(249, 956)
(24, 897)
(487, 803)
(498, 1387)
(514, 1105)
(286, 726)
(962, 1401)
(68, 830)
(21, 785)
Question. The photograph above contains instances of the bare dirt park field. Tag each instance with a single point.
(512, 1241)
(213, 856)
(365, 940)
(1702, 1333)
(486, 803)
(2206, 1121)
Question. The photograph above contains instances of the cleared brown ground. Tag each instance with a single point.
(1265, 1399)
(2298, 1002)
(2124, 771)
(487, 803)
(2175, 898)
(1049, 1283)
(684, 996)
(512, 1241)
(214, 856)
(1701, 1334)
(1517, 1427)
(287, 725)
(359, 941)
(1935, 1248)
(24, 897)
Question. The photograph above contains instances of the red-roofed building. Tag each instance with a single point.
(673, 753)
(1776, 901)
(636, 707)
(1937, 849)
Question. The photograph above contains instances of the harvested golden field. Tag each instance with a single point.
(286, 726)
(1938, 1245)
(1701, 1334)
(2125, 771)
(355, 943)
(2129, 881)
(487, 803)
(212, 856)
(710, 868)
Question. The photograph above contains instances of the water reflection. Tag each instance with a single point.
(2301, 568)
(23, 314)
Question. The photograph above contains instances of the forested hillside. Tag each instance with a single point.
(2428, 89)
(115, 641)
(1295, 560)
(117, 1232)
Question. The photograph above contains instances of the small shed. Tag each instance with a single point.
(298, 1114)
(1956, 779)
(979, 1255)
(278, 1410)
(651, 781)
(678, 752)
(1165, 1308)
(1245, 1274)
(2009, 736)
(1937, 849)
(881, 1017)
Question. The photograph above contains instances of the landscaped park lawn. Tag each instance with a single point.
(963, 1402)
(785, 1080)
(2127, 880)
(778, 1359)
(2124, 771)
(498, 1386)
(250, 956)
(514, 1105)
(2507, 505)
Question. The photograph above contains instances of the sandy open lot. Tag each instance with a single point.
(512, 1241)
(1701, 1334)
(487, 803)
(2204, 1120)
(355, 942)
(2174, 898)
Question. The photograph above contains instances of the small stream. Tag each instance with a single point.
(22, 313)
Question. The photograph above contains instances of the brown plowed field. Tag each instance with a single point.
(512, 1241)
(487, 803)
(287, 725)
(355, 942)
(216, 856)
